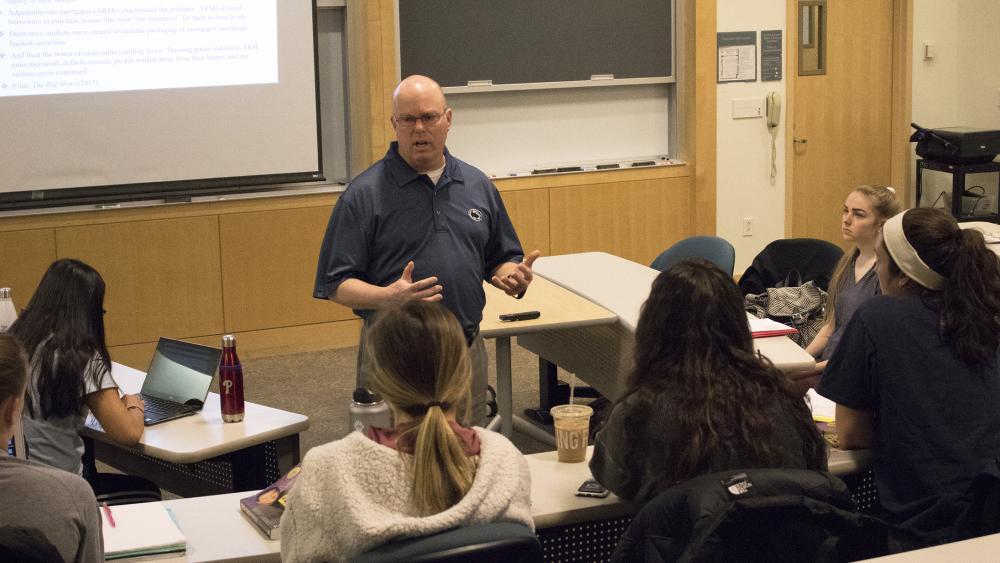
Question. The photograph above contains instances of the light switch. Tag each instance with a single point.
(744, 108)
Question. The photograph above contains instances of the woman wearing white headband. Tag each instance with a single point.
(916, 374)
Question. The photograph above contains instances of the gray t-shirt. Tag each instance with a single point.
(850, 296)
(58, 505)
(56, 441)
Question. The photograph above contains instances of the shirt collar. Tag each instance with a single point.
(402, 174)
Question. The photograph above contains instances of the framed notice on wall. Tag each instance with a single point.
(737, 56)
(770, 55)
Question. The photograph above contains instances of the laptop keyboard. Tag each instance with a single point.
(163, 407)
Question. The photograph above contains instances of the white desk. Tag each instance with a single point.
(978, 550)
(986, 228)
(217, 531)
(602, 355)
(561, 311)
(265, 433)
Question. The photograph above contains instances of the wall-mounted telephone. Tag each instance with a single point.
(772, 104)
(773, 109)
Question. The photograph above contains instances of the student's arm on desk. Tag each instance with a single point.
(606, 465)
(358, 294)
(855, 429)
(818, 344)
(121, 418)
(808, 379)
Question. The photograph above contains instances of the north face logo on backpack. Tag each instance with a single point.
(738, 485)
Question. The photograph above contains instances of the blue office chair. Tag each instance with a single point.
(498, 542)
(714, 249)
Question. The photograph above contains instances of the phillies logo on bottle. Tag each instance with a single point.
(228, 384)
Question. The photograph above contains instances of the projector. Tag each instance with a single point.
(956, 145)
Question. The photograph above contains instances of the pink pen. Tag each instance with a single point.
(107, 513)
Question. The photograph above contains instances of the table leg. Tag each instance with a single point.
(505, 390)
(548, 384)
(250, 468)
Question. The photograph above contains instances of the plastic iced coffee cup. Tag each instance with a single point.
(572, 424)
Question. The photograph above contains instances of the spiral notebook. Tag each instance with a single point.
(140, 530)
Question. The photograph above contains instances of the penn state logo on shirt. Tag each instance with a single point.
(476, 214)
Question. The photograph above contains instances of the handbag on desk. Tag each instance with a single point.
(801, 306)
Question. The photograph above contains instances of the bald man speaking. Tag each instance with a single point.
(422, 224)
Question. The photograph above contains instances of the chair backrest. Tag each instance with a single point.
(714, 249)
(813, 260)
(781, 515)
(500, 542)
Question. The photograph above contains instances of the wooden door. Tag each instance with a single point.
(841, 121)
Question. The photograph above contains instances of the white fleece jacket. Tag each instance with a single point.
(354, 495)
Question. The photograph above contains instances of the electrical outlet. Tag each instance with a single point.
(748, 226)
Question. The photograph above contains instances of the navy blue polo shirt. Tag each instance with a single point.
(458, 230)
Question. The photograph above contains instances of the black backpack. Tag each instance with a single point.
(813, 259)
(774, 515)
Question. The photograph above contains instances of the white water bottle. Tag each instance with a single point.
(368, 409)
(8, 314)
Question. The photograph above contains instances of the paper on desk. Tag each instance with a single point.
(761, 328)
(823, 409)
(141, 529)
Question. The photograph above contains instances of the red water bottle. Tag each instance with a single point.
(230, 381)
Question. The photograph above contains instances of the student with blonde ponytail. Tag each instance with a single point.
(916, 376)
(427, 474)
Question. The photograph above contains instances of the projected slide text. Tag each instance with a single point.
(74, 46)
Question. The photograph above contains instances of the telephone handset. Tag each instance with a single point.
(773, 112)
(773, 109)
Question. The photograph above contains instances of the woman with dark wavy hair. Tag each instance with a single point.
(917, 374)
(700, 399)
(62, 330)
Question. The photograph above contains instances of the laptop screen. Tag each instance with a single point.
(181, 371)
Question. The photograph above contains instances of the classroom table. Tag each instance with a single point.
(561, 311)
(985, 549)
(603, 355)
(216, 530)
(200, 454)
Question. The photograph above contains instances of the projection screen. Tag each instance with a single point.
(110, 100)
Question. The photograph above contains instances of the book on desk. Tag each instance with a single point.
(764, 328)
(140, 530)
(264, 509)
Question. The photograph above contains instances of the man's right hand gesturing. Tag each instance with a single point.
(405, 289)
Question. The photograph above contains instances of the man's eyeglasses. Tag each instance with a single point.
(410, 121)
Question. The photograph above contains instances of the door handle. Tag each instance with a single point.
(800, 141)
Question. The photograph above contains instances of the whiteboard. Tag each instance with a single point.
(518, 131)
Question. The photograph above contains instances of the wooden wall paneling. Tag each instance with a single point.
(24, 257)
(359, 84)
(901, 172)
(258, 343)
(529, 211)
(701, 79)
(163, 277)
(634, 220)
(269, 267)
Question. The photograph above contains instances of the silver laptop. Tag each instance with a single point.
(178, 379)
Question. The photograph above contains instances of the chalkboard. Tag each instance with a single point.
(535, 41)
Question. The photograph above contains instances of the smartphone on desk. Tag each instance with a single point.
(591, 488)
